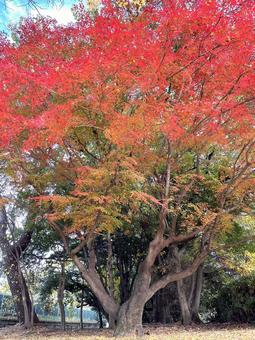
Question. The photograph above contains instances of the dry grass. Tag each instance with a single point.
(176, 332)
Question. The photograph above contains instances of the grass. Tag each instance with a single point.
(175, 332)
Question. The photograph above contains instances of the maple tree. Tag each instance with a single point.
(120, 113)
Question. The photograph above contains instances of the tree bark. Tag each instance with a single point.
(100, 316)
(95, 284)
(189, 305)
(18, 290)
(183, 301)
(81, 310)
(110, 277)
(185, 309)
(129, 319)
(196, 296)
(61, 289)
(11, 257)
(128, 316)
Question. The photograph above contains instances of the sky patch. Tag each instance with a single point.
(11, 11)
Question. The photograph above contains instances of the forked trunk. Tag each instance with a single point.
(11, 257)
(17, 284)
(130, 314)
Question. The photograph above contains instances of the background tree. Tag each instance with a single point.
(12, 252)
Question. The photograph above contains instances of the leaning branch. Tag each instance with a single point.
(172, 277)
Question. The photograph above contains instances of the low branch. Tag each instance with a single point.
(183, 238)
(77, 249)
(21, 245)
(61, 234)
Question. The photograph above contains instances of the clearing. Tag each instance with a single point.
(174, 332)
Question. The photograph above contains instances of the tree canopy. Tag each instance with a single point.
(141, 113)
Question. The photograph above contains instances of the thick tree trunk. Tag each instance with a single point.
(16, 280)
(129, 319)
(130, 315)
(11, 257)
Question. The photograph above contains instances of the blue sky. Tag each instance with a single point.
(12, 10)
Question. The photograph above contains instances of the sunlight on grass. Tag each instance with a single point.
(220, 332)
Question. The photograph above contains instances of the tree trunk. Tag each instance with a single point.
(190, 307)
(183, 301)
(81, 310)
(130, 315)
(27, 314)
(185, 310)
(17, 283)
(129, 319)
(93, 280)
(110, 277)
(196, 296)
(18, 290)
(100, 316)
(61, 289)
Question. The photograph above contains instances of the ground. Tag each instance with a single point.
(175, 332)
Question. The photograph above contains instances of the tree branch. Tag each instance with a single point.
(172, 277)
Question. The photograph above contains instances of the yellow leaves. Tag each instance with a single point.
(208, 218)
(93, 4)
(3, 201)
(139, 3)
(249, 264)
(247, 222)
(225, 222)
(126, 3)
(97, 201)
(54, 217)
(244, 264)
(122, 3)
(132, 130)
